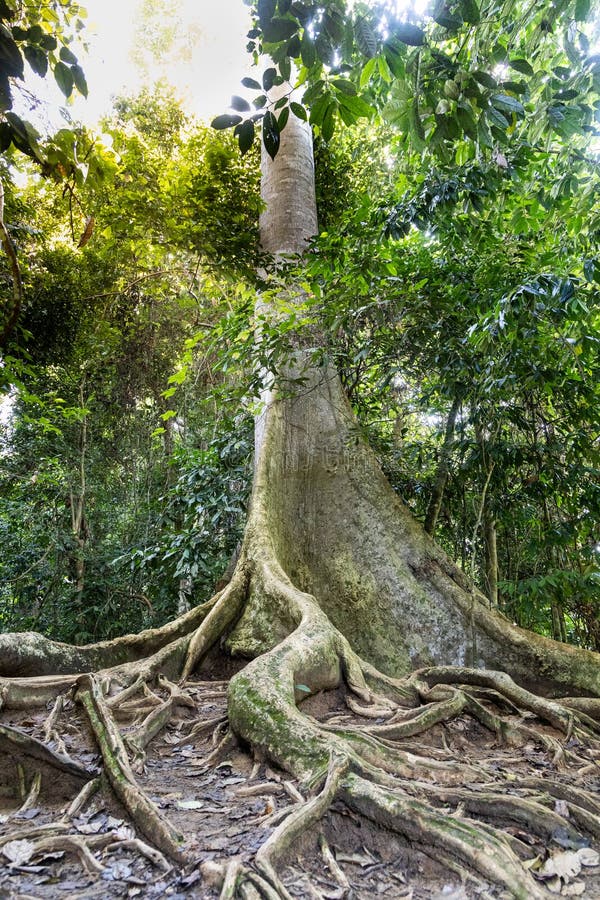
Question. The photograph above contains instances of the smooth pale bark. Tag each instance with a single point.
(332, 523)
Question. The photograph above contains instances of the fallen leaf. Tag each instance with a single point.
(575, 889)
(190, 804)
(588, 857)
(565, 865)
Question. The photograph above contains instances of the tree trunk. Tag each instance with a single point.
(443, 470)
(490, 541)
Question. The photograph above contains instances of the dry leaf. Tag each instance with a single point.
(554, 885)
(88, 231)
(575, 889)
(588, 857)
(190, 804)
(565, 865)
(18, 852)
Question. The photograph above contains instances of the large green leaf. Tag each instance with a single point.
(298, 110)
(470, 11)
(36, 58)
(68, 56)
(278, 29)
(11, 61)
(79, 80)
(270, 133)
(521, 65)
(409, 34)
(239, 103)
(366, 39)
(268, 79)
(245, 135)
(225, 121)
(505, 102)
(64, 78)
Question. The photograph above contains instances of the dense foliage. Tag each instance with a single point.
(456, 280)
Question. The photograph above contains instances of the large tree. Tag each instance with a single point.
(338, 587)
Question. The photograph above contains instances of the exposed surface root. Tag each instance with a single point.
(118, 771)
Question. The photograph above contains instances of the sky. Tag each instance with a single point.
(206, 68)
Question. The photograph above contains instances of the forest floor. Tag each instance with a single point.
(227, 808)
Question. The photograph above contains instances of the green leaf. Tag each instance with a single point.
(357, 106)
(48, 42)
(298, 110)
(64, 78)
(294, 47)
(328, 126)
(333, 23)
(324, 48)
(366, 39)
(302, 687)
(507, 103)
(283, 118)
(367, 71)
(568, 94)
(225, 121)
(251, 83)
(268, 79)
(279, 30)
(394, 52)
(318, 109)
(266, 9)
(485, 79)
(5, 136)
(79, 79)
(345, 86)
(444, 17)
(522, 66)
(245, 134)
(239, 103)
(582, 10)
(308, 51)
(35, 33)
(409, 34)
(37, 59)
(417, 133)
(470, 11)
(270, 133)
(68, 56)
(11, 61)
(497, 117)
(5, 95)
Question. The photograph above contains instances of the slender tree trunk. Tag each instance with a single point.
(443, 470)
(490, 541)
(79, 523)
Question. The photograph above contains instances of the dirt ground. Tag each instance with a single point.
(228, 808)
